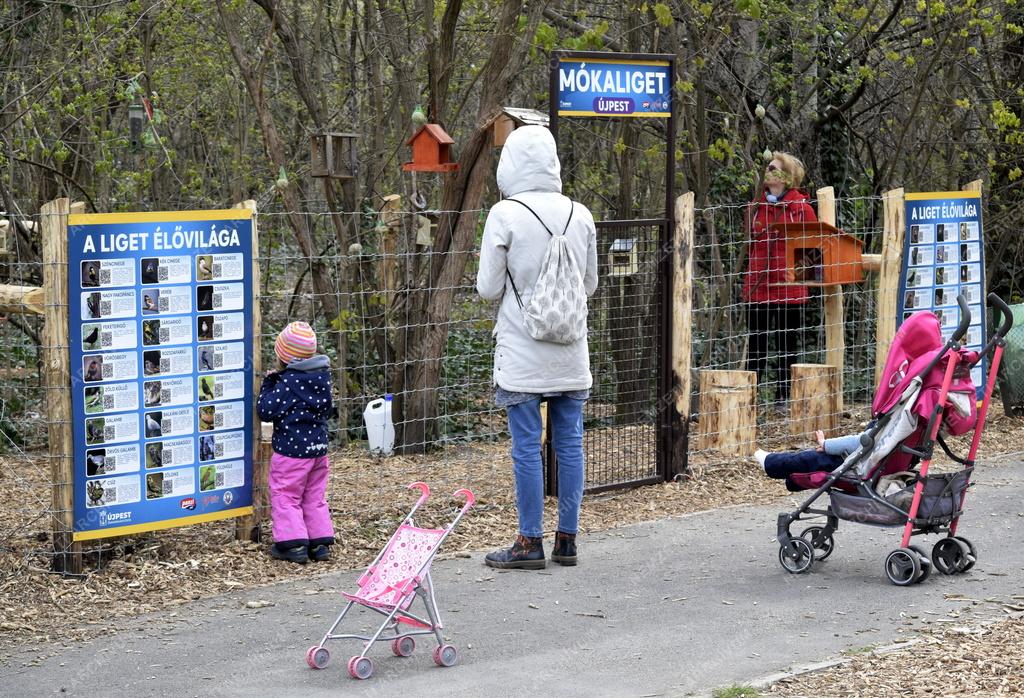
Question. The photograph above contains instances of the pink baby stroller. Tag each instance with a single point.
(925, 392)
(391, 583)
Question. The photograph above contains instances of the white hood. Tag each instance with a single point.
(529, 162)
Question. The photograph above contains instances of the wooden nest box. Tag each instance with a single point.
(819, 254)
(431, 151)
(622, 257)
(333, 155)
(512, 118)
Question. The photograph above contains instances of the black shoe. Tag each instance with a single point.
(319, 553)
(525, 554)
(297, 554)
(564, 552)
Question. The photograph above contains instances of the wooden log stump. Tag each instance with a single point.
(814, 399)
(728, 415)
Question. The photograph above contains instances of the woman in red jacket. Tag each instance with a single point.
(773, 307)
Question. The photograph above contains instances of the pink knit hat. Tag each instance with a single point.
(296, 341)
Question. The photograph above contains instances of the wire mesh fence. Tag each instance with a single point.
(396, 317)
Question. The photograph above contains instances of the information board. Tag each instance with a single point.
(161, 369)
(943, 256)
(610, 87)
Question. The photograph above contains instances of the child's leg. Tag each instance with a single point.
(780, 465)
(315, 512)
(287, 482)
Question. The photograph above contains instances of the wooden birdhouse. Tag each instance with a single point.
(333, 155)
(512, 118)
(622, 257)
(819, 254)
(431, 151)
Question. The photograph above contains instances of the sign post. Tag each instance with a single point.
(161, 336)
(943, 256)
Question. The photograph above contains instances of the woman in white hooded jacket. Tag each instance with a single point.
(527, 370)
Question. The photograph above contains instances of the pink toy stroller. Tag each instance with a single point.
(391, 583)
(925, 392)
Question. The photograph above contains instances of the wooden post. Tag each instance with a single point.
(728, 415)
(248, 527)
(893, 232)
(56, 361)
(832, 297)
(682, 327)
(814, 399)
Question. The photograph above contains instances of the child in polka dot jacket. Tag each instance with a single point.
(297, 399)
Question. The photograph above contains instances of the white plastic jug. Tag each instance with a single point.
(380, 430)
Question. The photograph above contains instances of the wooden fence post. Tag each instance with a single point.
(248, 527)
(682, 327)
(832, 297)
(728, 413)
(813, 399)
(893, 231)
(57, 369)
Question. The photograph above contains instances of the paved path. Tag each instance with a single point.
(670, 608)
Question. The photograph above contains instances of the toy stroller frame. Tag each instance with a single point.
(908, 564)
(396, 609)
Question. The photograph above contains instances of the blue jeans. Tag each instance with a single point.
(566, 416)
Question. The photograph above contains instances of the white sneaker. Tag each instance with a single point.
(759, 455)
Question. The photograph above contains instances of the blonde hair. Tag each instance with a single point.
(792, 166)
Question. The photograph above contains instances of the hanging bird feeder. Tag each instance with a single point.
(431, 151)
(136, 124)
(333, 155)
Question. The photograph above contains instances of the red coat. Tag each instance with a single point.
(766, 267)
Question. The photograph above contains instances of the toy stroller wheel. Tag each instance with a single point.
(950, 555)
(972, 553)
(403, 646)
(903, 567)
(926, 563)
(824, 546)
(796, 556)
(446, 655)
(318, 657)
(360, 667)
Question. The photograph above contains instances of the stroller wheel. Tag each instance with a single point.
(360, 667)
(951, 555)
(903, 567)
(823, 547)
(972, 553)
(446, 655)
(796, 556)
(403, 646)
(317, 657)
(926, 563)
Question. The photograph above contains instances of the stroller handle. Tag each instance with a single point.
(1003, 314)
(470, 498)
(424, 489)
(965, 319)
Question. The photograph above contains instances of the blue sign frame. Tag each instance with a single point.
(612, 87)
(161, 356)
(944, 256)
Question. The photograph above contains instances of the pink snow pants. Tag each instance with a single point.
(298, 507)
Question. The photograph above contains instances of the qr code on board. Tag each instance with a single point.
(165, 396)
(218, 451)
(165, 425)
(110, 464)
(162, 273)
(104, 308)
(165, 365)
(109, 495)
(218, 481)
(218, 360)
(218, 300)
(106, 338)
(218, 390)
(109, 433)
(217, 271)
(218, 330)
(104, 277)
(165, 305)
(107, 371)
(166, 487)
(165, 335)
(218, 420)
(108, 403)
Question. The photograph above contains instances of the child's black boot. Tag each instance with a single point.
(294, 553)
(526, 554)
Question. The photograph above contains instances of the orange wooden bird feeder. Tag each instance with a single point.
(431, 151)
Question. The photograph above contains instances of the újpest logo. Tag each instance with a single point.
(228, 498)
(189, 503)
(107, 518)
